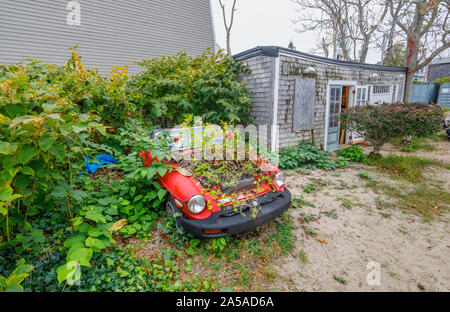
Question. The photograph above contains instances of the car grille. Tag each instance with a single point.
(228, 211)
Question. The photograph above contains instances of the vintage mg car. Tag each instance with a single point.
(209, 209)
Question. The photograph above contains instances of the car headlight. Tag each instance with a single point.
(280, 179)
(197, 204)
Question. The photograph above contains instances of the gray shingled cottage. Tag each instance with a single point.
(108, 33)
(304, 93)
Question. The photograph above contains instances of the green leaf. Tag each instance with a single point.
(14, 288)
(78, 195)
(59, 192)
(5, 178)
(10, 161)
(27, 170)
(7, 148)
(26, 153)
(69, 270)
(46, 142)
(74, 239)
(190, 251)
(95, 243)
(95, 232)
(112, 211)
(2, 282)
(22, 181)
(95, 216)
(58, 151)
(4, 148)
(5, 193)
(81, 255)
(162, 193)
(149, 172)
(122, 272)
(162, 171)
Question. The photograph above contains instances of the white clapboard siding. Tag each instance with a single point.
(112, 32)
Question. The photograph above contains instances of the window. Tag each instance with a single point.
(381, 89)
(361, 96)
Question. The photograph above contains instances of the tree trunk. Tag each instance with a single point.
(408, 86)
(228, 45)
(412, 55)
(376, 148)
(364, 50)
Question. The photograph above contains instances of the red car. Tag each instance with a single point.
(204, 214)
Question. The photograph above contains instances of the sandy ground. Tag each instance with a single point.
(412, 255)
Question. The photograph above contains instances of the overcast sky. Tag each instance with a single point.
(265, 22)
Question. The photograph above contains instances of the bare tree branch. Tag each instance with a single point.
(228, 27)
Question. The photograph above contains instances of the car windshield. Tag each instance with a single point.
(181, 139)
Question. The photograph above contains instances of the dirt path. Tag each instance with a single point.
(413, 255)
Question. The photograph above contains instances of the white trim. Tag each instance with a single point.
(212, 23)
(343, 82)
(327, 115)
(276, 87)
(352, 84)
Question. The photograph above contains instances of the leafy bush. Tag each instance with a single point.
(353, 153)
(379, 123)
(207, 85)
(308, 156)
(42, 134)
(13, 281)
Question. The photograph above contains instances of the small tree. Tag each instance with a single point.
(228, 27)
(379, 123)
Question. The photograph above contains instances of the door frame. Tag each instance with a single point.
(352, 84)
(355, 100)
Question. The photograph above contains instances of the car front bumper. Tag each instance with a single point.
(234, 223)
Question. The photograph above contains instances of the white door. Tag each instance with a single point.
(360, 100)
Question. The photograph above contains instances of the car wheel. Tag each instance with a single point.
(172, 209)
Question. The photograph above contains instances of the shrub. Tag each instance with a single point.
(42, 134)
(308, 156)
(13, 281)
(380, 123)
(353, 153)
(206, 85)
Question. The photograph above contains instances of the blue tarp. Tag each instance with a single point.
(100, 160)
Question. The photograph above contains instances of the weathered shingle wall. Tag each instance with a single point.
(293, 67)
(260, 85)
(438, 71)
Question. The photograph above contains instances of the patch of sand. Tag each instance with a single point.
(412, 255)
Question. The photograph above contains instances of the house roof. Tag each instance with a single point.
(442, 60)
(275, 51)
